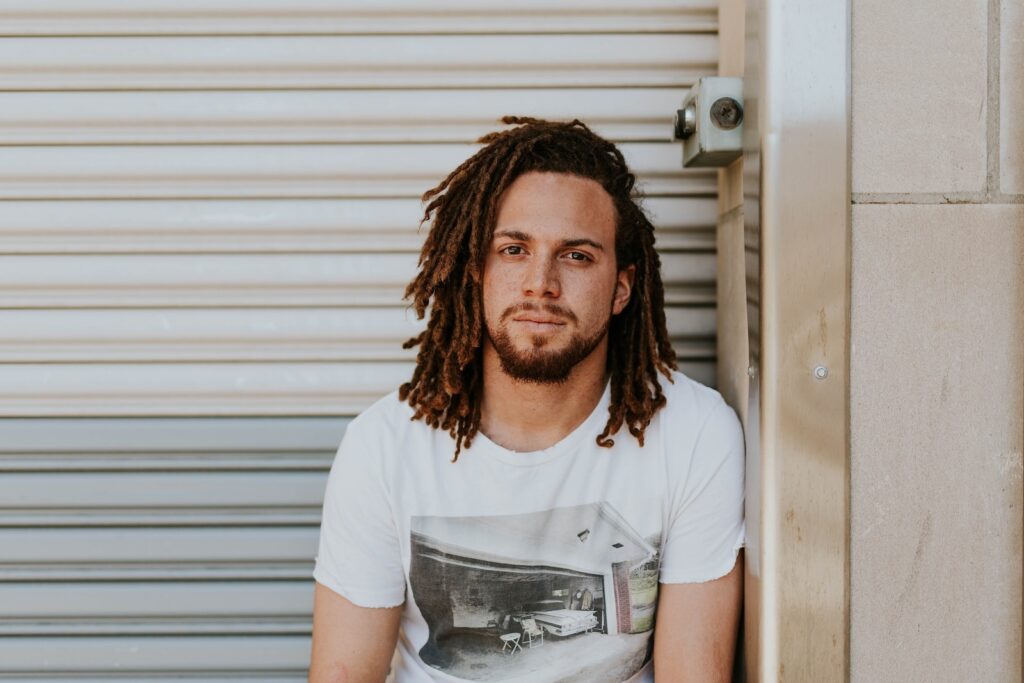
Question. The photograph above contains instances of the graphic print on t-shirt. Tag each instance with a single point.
(566, 594)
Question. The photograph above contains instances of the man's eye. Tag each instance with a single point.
(512, 250)
(578, 256)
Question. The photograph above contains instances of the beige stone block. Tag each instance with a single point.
(937, 399)
(1011, 97)
(919, 95)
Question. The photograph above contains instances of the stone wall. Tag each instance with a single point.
(937, 339)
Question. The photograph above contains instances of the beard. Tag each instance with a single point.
(538, 365)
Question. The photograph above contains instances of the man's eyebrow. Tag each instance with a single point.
(513, 234)
(524, 237)
(580, 241)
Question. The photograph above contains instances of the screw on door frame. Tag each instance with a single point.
(726, 113)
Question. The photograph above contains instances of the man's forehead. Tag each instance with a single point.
(556, 206)
(536, 190)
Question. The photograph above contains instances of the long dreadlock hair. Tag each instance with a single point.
(446, 386)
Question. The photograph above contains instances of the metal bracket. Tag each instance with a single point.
(710, 122)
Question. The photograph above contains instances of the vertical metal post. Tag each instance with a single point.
(784, 241)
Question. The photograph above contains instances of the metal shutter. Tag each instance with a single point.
(208, 214)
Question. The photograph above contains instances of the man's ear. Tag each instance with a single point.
(623, 289)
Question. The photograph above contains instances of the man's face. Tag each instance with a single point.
(550, 281)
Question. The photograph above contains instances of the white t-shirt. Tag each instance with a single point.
(535, 567)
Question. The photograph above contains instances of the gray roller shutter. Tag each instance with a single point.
(208, 212)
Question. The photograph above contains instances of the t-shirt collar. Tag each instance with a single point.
(589, 428)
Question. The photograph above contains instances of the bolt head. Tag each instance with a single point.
(726, 113)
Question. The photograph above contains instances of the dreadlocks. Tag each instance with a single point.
(446, 385)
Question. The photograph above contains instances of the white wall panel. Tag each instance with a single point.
(211, 210)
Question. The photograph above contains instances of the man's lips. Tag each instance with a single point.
(538, 325)
(538, 321)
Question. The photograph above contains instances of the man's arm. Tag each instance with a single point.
(695, 629)
(351, 644)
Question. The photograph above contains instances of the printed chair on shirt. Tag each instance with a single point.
(532, 631)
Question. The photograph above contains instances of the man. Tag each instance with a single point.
(489, 488)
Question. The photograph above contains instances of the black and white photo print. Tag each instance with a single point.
(566, 594)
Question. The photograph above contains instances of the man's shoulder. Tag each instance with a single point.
(686, 397)
(386, 415)
(699, 416)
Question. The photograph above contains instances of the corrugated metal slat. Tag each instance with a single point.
(270, 225)
(227, 17)
(173, 547)
(35, 440)
(201, 654)
(381, 61)
(214, 389)
(172, 599)
(227, 334)
(356, 170)
(225, 280)
(323, 116)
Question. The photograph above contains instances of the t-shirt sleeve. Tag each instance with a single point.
(359, 555)
(706, 524)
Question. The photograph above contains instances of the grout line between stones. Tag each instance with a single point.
(936, 198)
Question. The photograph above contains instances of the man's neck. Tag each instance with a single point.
(526, 416)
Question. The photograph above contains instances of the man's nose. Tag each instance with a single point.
(541, 279)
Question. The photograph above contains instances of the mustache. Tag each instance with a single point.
(553, 309)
